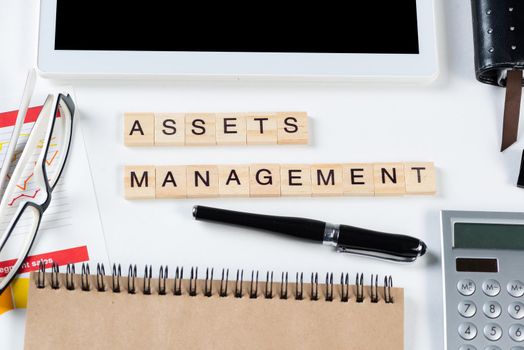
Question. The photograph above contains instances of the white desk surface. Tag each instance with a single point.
(455, 122)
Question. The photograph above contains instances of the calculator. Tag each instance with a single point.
(483, 273)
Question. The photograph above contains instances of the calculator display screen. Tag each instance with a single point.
(386, 27)
(488, 236)
(477, 265)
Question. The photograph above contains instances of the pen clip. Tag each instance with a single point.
(378, 255)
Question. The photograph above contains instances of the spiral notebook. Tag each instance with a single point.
(225, 311)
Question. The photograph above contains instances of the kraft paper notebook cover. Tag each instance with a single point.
(82, 311)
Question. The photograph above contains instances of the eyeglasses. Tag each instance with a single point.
(47, 148)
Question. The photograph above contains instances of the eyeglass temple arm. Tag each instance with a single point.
(22, 111)
(27, 153)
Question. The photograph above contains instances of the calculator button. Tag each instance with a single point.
(467, 309)
(467, 331)
(492, 347)
(516, 310)
(515, 288)
(491, 288)
(467, 347)
(492, 309)
(516, 332)
(492, 331)
(466, 287)
(517, 348)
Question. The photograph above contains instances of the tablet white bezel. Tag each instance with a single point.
(80, 63)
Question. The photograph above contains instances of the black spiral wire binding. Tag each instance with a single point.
(55, 284)
(283, 286)
(85, 283)
(179, 275)
(148, 273)
(329, 286)
(253, 286)
(193, 281)
(70, 277)
(115, 278)
(131, 279)
(268, 291)
(360, 287)
(344, 287)
(208, 286)
(223, 283)
(299, 290)
(40, 277)
(100, 278)
(238, 283)
(314, 286)
(374, 289)
(388, 284)
(162, 280)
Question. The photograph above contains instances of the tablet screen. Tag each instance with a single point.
(383, 27)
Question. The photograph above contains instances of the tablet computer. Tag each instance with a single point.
(386, 40)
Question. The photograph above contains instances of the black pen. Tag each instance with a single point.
(348, 239)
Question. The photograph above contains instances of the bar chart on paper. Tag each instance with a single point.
(67, 233)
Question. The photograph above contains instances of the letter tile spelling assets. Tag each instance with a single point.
(205, 129)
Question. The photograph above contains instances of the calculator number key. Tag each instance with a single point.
(467, 309)
(516, 332)
(492, 331)
(492, 347)
(492, 309)
(467, 347)
(467, 331)
(516, 310)
(466, 287)
(515, 288)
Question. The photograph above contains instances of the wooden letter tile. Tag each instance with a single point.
(358, 179)
(202, 181)
(293, 128)
(420, 178)
(170, 129)
(295, 180)
(139, 129)
(233, 180)
(264, 180)
(200, 129)
(326, 179)
(231, 129)
(389, 179)
(261, 129)
(171, 182)
(139, 182)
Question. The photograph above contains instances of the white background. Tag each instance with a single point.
(455, 122)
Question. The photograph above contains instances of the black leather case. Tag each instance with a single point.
(498, 30)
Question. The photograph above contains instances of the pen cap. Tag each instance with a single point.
(380, 244)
